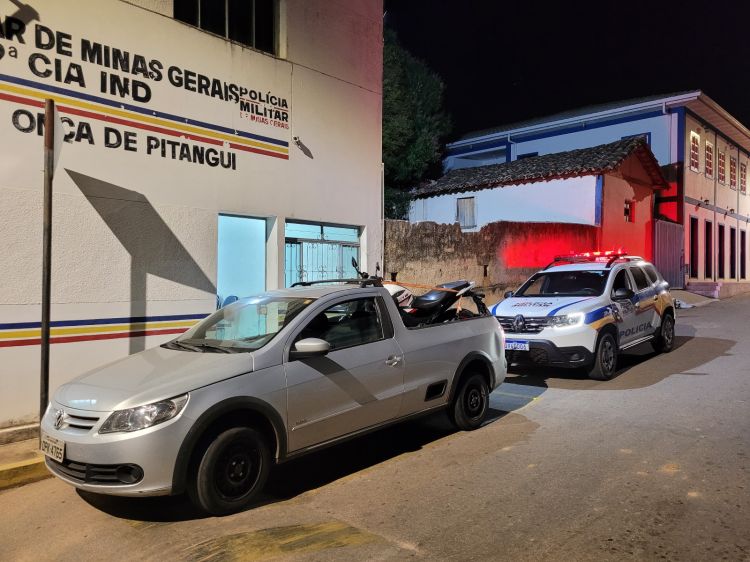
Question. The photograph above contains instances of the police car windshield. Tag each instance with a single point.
(564, 284)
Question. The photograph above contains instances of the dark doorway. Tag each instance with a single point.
(693, 247)
(709, 250)
(721, 255)
(733, 253)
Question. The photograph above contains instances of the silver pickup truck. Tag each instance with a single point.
(309, 366)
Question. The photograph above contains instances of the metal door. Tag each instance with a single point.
(669, 252)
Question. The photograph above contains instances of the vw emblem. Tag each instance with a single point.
(519, 323)
(59, 418)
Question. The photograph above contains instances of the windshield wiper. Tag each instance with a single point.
(175, 344)
(205, 346)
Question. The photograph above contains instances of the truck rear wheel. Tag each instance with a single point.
(471, 403)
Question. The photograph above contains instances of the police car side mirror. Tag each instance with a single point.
(623, 294)
(508, 294)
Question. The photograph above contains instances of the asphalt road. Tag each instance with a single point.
(652, 465)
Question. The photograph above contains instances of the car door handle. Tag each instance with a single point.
(393, 360)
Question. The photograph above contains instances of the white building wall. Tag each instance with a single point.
(662, 130)
(135, 234)
(571, 200)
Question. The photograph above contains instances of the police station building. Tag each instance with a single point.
(205, 151)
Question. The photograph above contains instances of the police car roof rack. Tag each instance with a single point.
(370, 281)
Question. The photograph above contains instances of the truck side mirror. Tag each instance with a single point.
(309, 347)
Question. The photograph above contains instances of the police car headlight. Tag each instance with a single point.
(567, 320)
(142, 417)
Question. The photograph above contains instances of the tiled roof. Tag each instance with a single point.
(577, 112)
(573, 163)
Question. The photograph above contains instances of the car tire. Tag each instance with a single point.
(231, 471)
(605, 358)
(470, 405)
(663, 342)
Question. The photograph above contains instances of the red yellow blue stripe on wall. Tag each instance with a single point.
(31, 93)
(67, 331)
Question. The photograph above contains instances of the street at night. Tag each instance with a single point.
(654, 464)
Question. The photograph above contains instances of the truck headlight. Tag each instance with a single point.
(142, 417)
(567, 320)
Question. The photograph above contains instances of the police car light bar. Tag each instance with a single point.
(608, 256)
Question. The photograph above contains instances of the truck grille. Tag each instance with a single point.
(79, 422)
(532, 324)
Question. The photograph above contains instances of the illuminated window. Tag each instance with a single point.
(695, 143)
(465, 215)
(743, 179)
(732, 172)
(722, 168)
(709, 160)
(629, 211)
(250, 22)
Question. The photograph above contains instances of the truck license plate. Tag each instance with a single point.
(53, 448)
(515, 345)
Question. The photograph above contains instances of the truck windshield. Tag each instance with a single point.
(245, 325)
(564, 284)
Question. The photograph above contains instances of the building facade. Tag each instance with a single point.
(204, 152)
(610, 187)
(703, 152)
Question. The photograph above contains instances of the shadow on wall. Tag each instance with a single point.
(153, 247)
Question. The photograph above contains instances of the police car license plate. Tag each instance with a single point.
(515, 345)
(53, 448)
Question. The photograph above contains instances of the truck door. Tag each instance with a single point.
(358, 384)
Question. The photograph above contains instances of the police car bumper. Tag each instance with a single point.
(545, 352)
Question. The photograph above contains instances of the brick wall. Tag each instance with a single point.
(498, 258)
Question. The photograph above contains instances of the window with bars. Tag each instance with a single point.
(695, 143)
(465, 215)
(732, 172)
(250, 22)
(743, 179)
(629, 211)
(709, 160)
(722, 168)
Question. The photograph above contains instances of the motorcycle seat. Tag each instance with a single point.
(433, 300)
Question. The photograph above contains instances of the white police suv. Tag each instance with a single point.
(583, 309)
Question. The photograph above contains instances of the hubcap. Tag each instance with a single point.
(608, 355)
(474, 401)
(237, 470)
(668, 332)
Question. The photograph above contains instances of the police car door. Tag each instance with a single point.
(625, 309)
(645, 313)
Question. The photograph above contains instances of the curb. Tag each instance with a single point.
(17, 474)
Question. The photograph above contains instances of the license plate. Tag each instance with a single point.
(517, 345)
(53, 448)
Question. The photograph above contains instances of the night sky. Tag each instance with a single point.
(503, 62)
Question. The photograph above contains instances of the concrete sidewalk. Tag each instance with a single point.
(692, 299)
(21, 463)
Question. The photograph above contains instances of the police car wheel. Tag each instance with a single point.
(605, 360)
(664, 340)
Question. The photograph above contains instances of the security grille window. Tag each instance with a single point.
(695, 142)
(732, 172)
(722, 168)
(315, 251)
(629, 211)
(250, 22)
(743, 179)
(465, 215)
(709, 160)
